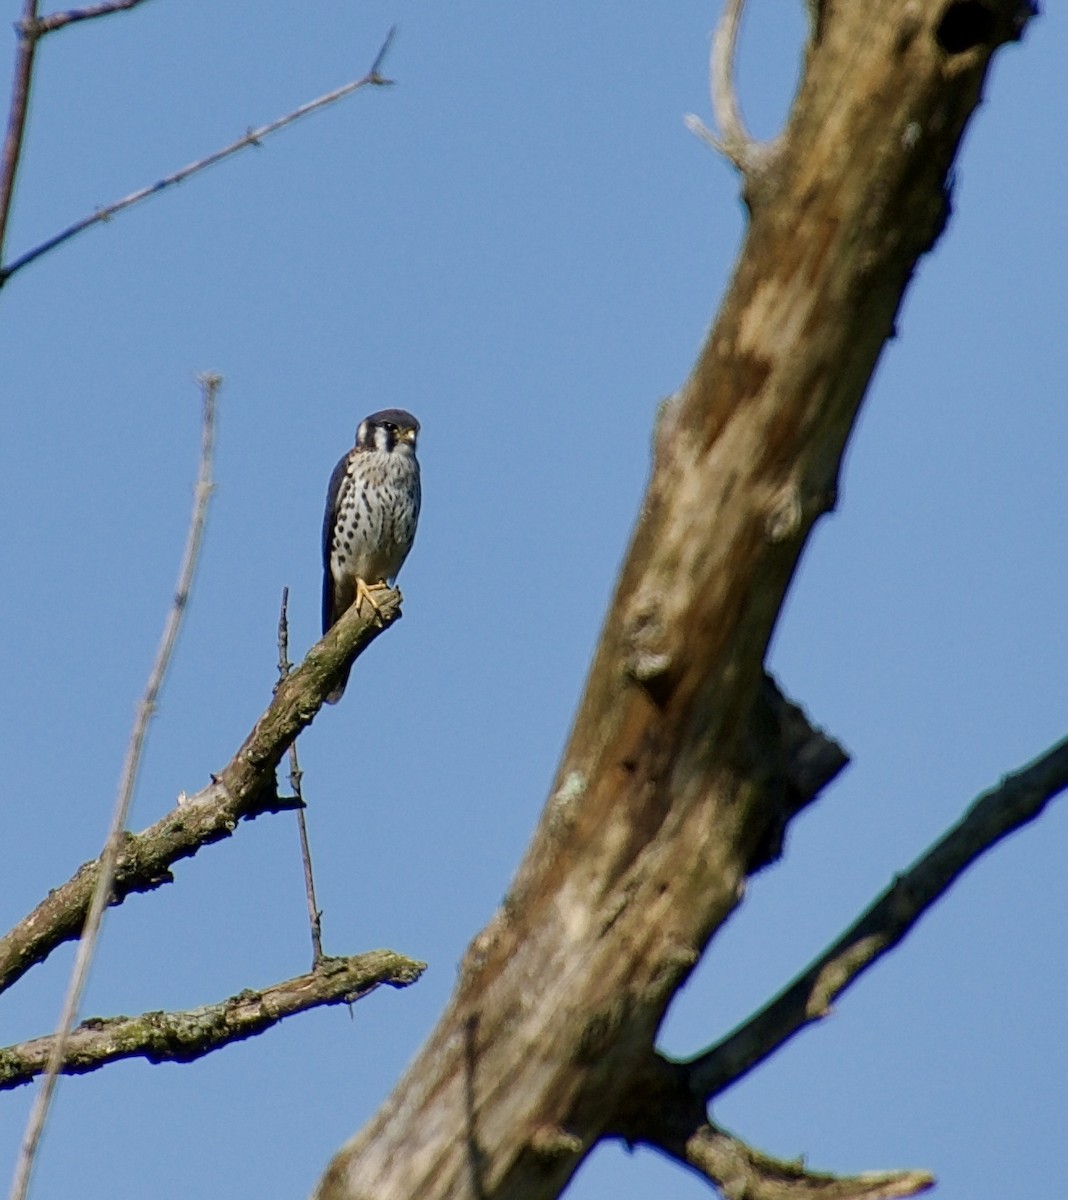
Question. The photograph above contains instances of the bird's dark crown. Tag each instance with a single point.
(393, 416)
(396, 422)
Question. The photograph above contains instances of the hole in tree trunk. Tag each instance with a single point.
(964, 25)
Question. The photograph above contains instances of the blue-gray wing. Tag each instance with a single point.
(329, 520)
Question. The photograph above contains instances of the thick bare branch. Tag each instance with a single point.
(244, 789)
(661, 807)
(185, 1036)
(254, 137)
(1014, 802)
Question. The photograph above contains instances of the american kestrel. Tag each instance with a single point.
(372, 507)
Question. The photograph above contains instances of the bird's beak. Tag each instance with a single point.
(408, 435)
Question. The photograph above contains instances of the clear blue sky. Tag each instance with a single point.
(521, 243)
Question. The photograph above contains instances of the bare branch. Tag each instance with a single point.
(109, 858)
(295, 775)
(734, 141)
(253, 137)
(1018, 799)
(721, 76)
(660, 807)
(16, 120)
(185, 1036)
(59, 20)
(740, 1171)
(243, 790)
(659, 1109)
(31, 28)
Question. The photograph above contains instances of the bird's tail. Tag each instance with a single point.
(339, 691)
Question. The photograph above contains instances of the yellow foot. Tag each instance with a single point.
(365, 591)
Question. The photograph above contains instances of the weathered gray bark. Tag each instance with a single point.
(683, 766)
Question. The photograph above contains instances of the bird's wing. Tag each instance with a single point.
(329, 519)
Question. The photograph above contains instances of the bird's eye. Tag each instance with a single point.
(390, 426)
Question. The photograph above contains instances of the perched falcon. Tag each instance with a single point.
(372, 506)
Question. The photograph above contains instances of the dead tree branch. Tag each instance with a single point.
(665, 799)
(254, 137)
(662, 1111)
(244, 789)
(315, 916)
(744, 1173)
(672, 1120)
(185, 1036)
(1013, 803)
(71, 16)
(665, 1105)
(750, 157)
(25, 54)
(30, 29)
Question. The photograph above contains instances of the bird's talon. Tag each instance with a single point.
(366, 592)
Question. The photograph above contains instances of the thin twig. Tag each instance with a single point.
(315, 916)
(58, 20)
(186, 1036)
(16, 120)
(724, 95)
(209, 385)
(734, 141)
(1018, 799)
(253, 137)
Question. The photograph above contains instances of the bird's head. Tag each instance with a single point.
(388, 430)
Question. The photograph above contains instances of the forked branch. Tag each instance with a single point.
(665, 1105)
(30, 29)
(734, 142)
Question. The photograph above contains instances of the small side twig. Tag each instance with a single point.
(253, 137)
(1018, 799)
(59, 20)
(109, 858)
(734, 141)
(185, 1036)
(315, 916)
